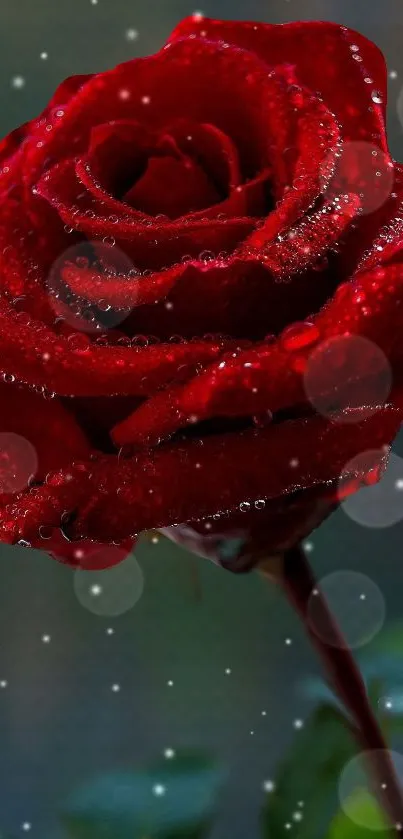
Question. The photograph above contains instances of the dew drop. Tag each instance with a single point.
(376, 97)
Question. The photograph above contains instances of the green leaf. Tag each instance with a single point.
(173, 799)
(364, 818)
(388, 641)
(309, 774)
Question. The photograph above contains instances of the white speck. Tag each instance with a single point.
(388, 704)
(124, 94)
(115, 688)
(169, 754)
(363, 596)
(26, 826)
(298, 724)
(288, 826)
(300, 803)
(288, 642)
(384, 786)
(44, 56)
(399, 483)
(268, 786)
(132, 34)
(110, 630)
(146, 100)
(169, 306)
(3, 683)
(252, 733)
(294, 463)
(393, 74)
(18, 82)
(155, 540)
(308, 547)
(170, 683)
(46, 639)
(198, 16)
(264, 713)
(228, 671)
(96, 590)
(297, 817)
(159, 789)
(94, 2)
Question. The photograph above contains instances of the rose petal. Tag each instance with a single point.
(346, 59)
(172, 187)
(162, 415)
(36, 355)
(52, 431)
(151, 246)
(110, 503)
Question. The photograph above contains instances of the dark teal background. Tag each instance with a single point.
(59, 720)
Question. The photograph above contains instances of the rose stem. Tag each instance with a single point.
(298, 582)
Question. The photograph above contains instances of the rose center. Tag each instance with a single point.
(172, 187)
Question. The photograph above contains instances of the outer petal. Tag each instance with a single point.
(12, 152)
(270, 377)
(195, 479)
(48, 427)
(346, 60)
(386, 241)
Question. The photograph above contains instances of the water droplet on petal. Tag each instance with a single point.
(377, 97)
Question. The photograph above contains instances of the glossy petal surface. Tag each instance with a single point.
(201, 295)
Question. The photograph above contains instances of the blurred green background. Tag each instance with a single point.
(60, 716)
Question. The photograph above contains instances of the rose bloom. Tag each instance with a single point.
(200, 262)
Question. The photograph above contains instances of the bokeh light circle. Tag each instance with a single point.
(72, 270)
(347, 378)
(355, 784)
(376, 503)
(361, 169)
(355, 601)
(18, 462)
(112, 591)
(85, 554)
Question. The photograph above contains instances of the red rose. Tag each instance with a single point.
(200, 258)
